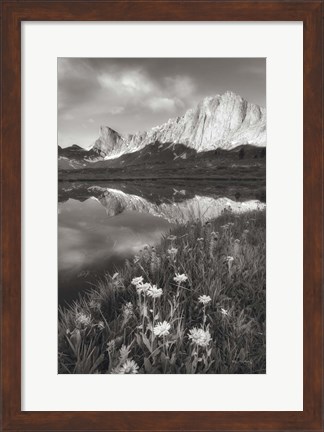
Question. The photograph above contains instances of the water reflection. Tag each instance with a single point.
(100, 226)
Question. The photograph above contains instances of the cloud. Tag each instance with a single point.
(133, 83)
(162, 104)
(136, 88)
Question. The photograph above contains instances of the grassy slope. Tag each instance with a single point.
(238, 335)
(154, 162)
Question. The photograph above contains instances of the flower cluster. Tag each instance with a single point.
(180, 278)
(204, 299)
(162, 329)
(137, 281)
(129, 367)
(146, 288)
(199, 336)
(154, 292)
(128, 311)
(81, 319)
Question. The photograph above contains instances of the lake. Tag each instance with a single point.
(100, 225)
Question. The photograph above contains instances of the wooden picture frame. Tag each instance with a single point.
(13, 13)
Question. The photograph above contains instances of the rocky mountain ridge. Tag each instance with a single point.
(223, 121)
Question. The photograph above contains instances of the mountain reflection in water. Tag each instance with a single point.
(100, 226)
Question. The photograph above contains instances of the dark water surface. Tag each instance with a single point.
(100, 225)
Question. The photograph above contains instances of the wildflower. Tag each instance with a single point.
(138, 280)
(229, 259)
(200, 239)
(129, 367)
(162, 329)
(180, 278)
(127, 310)
(154, 292)
(172, 251)
(204, 299)
(115, 275)
(82, 319)
(224, 312)
(143, 287)
(123, 353)
(214, 234)
(172, 237)
(200, 336)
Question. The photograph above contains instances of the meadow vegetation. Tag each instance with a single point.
(196, 303)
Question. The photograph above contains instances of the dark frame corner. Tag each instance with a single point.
(13, 12)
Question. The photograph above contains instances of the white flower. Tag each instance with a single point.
(82, 319)
(138, 280)
(200, 336)
(229, 259)
(124, 353)
(162, 329)
(143, 287)
(172, 251)
(180, 278)
(224, 312)
(204, 299)
(129, 367)
(154, 291)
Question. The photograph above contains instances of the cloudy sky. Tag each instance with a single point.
(131, 95)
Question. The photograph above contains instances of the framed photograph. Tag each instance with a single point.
(162, 215)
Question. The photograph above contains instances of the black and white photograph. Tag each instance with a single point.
(161, 215)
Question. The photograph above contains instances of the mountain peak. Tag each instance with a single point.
(220, 121)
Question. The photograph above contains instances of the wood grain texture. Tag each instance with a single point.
(13, 12)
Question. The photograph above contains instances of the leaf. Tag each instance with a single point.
(164, 361)
(99, 360)
(146, 342)
(147, 365)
